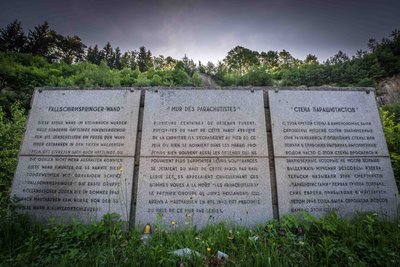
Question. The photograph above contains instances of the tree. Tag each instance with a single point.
(188, 65)
(388, 54)
(94, 56)
(12, 38)
(128, 60)
(108, 53)
(117, 59)
(159, 62)
(42, 41)
(70, 49)
(149, 60)
(311, 59)
(240, 59)
(269, 59)
(144, 59)
(170, 63)
(210, 68)
(285, 59)
(338, 58)
(201, 68)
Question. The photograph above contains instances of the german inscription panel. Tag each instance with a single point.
(204, 190)
(207, 123)
(204, 158)
(82, 123)
(330, 153)
(326, 123)
(84, 188)
(342, 185)
(77, 157)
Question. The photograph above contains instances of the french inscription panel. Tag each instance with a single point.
(206, 123)
(84, 188)
(341, 185)
(204, 158)
(326, 123)
(200, 191)
(82, 123)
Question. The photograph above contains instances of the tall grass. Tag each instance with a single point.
(292, 241)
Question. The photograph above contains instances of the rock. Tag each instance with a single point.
(388, 91)
(207, 81)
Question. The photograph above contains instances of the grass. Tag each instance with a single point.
(292, 241)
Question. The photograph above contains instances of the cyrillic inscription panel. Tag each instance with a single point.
(330, 153)
(341, 185)
(326, 123)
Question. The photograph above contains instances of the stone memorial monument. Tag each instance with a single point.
(77, 156)
(204, 158)
(330, 153)
(200, 156)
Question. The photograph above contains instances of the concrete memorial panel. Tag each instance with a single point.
(82, 123)
(330, 153)
(77, 156)
(84, 188)
(204, 158)
(204, 123)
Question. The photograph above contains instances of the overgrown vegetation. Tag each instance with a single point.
(11, 133)
(391, 127)
(363, 241)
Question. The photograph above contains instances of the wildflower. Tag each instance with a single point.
(301, 243)
(173, 225)
(209, 250)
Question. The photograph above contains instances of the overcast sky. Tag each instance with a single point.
(207, 29)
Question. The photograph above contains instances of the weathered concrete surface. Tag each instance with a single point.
(66, 188)
(201, 191)
(82, 123)
(204, 158)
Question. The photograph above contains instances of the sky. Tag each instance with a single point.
(207, 29)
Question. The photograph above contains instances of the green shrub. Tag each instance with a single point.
(11, 132)
(391, 129)
(393, 109)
